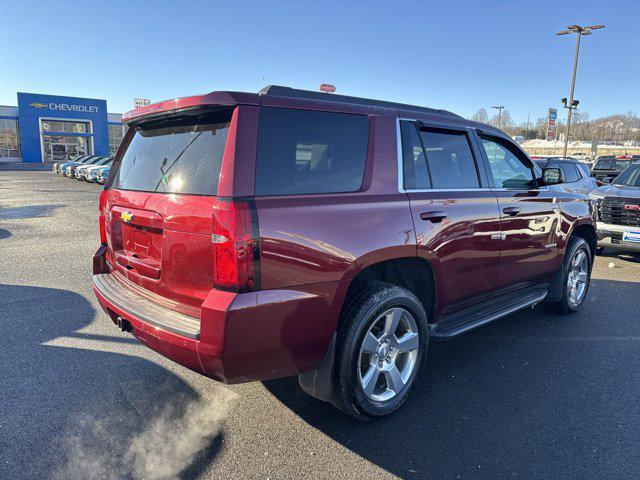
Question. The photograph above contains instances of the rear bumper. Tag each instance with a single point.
(610, 236)
(145, 310)
(238, 337)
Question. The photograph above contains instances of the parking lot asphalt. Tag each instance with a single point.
(534, 395)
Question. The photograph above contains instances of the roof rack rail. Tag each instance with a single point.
(280, 91)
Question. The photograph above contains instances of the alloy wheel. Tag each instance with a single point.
(578, 278)
(388, 354)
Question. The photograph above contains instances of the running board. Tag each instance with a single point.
(469, 318)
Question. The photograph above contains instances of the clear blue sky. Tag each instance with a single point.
(460, 55)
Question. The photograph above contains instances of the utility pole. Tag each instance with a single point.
(526, 132)
(499, 108)
(579, 31)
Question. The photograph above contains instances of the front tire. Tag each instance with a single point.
(576, 268)
(381, 344)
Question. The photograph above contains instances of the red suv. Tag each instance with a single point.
(255, 236)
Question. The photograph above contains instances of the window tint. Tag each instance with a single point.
(604, 163)
(449, 160)
(621, 164)
(569, 171)
(305, 152)
(415, 165)
(584, 168)
(175, 156)
(508, 169)
(612, 163)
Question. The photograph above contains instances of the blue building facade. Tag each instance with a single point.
(53, 128)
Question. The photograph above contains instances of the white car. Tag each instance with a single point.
(583, 157)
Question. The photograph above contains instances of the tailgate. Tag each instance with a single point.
(159, 210)
(163, 244)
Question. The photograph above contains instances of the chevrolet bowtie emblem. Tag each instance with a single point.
(126, 217)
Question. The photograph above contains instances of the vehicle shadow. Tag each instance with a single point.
(24, 167)
(534, 395)
(4, 233)
(29, 211)
(610, 253)
(77, 404)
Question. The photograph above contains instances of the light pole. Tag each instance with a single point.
(499, 108)
(579, 31)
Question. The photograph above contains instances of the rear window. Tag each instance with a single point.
(612, 164)
(307, 152)
(175, 156)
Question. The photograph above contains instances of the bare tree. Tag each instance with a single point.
(480, 116)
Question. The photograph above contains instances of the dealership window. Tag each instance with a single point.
(65, 126)
(116, 134)
(9, 141)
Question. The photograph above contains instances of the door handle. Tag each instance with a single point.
(433, 217)
(511, 211)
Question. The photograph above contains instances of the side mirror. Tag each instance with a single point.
(552, 176)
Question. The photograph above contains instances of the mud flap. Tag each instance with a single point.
(318, 383)
(556, 288)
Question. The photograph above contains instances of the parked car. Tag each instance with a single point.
(102, 174)
(255, 236)
(608, 167)
(79, 160)
(618, 207)
(70, 169)
(56, 166)
(82, 170)
(583, 157)
(576, 175)
(93, 173)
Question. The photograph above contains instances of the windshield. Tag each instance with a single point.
(630, 177)
(181, 155)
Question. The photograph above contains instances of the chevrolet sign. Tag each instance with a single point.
(632, 207)
(65, 107)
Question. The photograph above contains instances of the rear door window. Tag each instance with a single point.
(414, 161)
(450, 162)
(308, 152)
(175, 156)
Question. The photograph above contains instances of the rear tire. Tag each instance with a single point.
(576, 277)
(381, 344)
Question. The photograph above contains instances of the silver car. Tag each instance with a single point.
(576, 175)
(618, 209)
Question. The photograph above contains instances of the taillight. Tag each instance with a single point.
(101, 216)
(235, 245)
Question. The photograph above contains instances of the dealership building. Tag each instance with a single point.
(50, 128)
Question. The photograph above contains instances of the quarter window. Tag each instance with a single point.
(450, 162)
(307, 152)
(509, 170)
